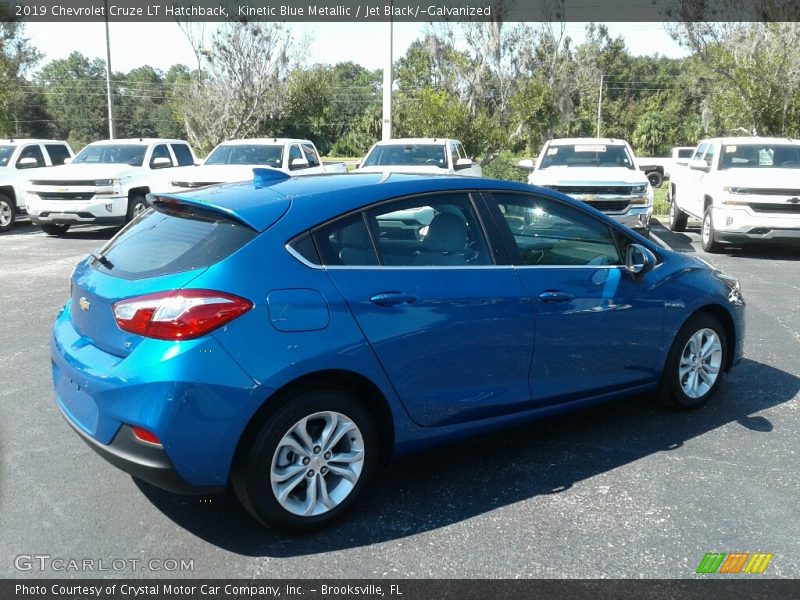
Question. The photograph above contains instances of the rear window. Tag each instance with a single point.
(171, 240)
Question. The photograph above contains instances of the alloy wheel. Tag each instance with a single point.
(700, 363)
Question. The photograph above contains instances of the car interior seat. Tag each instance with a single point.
(445, 243)
(357, 246)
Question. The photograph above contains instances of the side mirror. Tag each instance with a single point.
(699, 165)
(462, 163)
(298, 163)
(67, 160)
(639, 260)
(160, 162)
(526, 164)
(27, 163)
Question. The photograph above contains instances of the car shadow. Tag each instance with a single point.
(80, 232)
(676, 241)
(439, 487)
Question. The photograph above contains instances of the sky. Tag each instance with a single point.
(161, 45)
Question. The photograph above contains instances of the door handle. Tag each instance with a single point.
(393, 298)
(555, 296)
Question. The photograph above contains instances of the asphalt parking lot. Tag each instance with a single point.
(621, 490)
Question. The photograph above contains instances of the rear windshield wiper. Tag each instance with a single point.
(98, 256)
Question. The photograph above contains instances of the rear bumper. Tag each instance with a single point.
(183, 392)
(143, 461)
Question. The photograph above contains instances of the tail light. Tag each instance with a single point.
(178, 314)
(143, 435)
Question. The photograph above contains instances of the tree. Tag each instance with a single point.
(17, 57)
(75, 88)
(240, 90)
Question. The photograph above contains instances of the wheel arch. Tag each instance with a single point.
(364, 391)
(138, 191)
(726, 320)
(707, 201)
(8, 190)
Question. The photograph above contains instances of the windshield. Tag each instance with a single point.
(407, 155)
(117, 153)
(250, 154)
(587, 155)
(760, 156)
(5, 154)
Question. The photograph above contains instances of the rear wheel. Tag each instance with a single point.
(136, 206)
(696, 363)
(677, 218)
(7, 213)
(655, 178)
(308, 462)
(53, 229)
(708, 235)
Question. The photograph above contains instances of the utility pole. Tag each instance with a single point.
(600, 106)
(386, 130)
(108, 78)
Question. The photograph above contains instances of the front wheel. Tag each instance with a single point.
(308, 463)
(53, 229)
(696, 363)
(136, 206)
(7, 213)
(708, 234)
(677, 218)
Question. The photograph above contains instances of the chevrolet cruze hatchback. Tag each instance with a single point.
(287, 336)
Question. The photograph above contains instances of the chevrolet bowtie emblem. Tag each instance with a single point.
(84, 303)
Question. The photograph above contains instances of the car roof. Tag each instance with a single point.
(586, 140)
(137, 141)
(751, 140)
(266, 141)
(399, 141)
(314, 199)
(29, 141)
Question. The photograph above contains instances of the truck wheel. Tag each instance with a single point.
(136, 206)
(707, 234)
(53, 229)
(677, 218)
(655, 178)
(7, 213)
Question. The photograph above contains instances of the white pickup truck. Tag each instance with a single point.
(432, 156)
(602, 172)
(105, 184)
(234, 161)
(21, 159)
(744, 189)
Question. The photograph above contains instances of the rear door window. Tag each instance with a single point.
(58, 153)
(183, 154)
(172, 240)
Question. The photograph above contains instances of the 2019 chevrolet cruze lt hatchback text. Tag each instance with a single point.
(285, 335)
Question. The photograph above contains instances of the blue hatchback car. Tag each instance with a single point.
(285, 336)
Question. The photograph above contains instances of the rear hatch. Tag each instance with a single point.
(164, 249)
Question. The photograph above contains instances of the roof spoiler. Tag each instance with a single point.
(263, 176)
(194, 207)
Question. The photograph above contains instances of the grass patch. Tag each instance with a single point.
(660, 203)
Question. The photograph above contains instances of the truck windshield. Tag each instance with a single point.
(760, 156)
(5, 154)
(407, 155)
(127, 154)
(247, 154)
(587, 155)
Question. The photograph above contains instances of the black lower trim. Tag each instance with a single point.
(78, 219)
(743, 238)
(146, 462)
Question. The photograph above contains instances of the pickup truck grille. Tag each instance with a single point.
(66, 195)
(769, 191)
(609, 206)
(615, 190)
(63, 182)
(787, 208)
(194, 184)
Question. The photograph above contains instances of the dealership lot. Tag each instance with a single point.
(621, 490)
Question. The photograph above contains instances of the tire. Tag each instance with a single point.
(8, 213)
(707, 233)
(53, 229)
(136, 206)
(677, 218)
(655, 178)
(689, 380)
(276, 457)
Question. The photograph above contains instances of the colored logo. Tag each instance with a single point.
(84, 303)
(734, 562)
